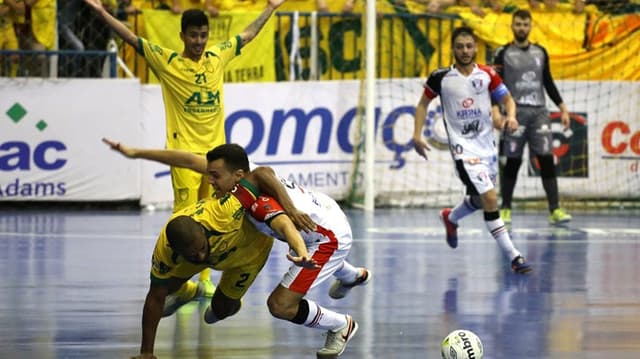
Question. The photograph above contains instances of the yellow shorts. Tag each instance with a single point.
(188, 187)
(8, 38)
(239, 269)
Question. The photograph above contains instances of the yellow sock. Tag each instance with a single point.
(187, 291)
(13, 69)
(205, 274)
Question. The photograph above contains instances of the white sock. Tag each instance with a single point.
(347, 274)
(500, 233)
(462, 210)
(323, 318)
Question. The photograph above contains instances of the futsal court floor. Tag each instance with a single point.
(74, 283)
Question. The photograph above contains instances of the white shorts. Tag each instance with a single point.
(330, 252)
(478, 174)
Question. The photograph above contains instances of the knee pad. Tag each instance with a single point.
(547, 167)
(512, 167)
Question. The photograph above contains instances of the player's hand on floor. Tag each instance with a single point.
(421, 147)
(304, 261)
(302, 221)
(117, 146)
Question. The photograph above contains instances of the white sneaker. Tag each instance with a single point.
(336, 342)
(339, 290)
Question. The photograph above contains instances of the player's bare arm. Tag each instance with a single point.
(175, 158)
(116, 25)
(283, 225)
(419, 143)
(265, 179)
(254, 28)
(510, 122)
(496, 117)
(151, 314)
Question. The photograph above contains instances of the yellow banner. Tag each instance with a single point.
(256, 62)
(609, 53)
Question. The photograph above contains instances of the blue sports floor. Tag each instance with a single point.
(73, 285)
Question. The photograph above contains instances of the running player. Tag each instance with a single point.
(329, 243)
(525, 69)
(466, 90)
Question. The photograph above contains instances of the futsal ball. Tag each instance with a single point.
(461, 344)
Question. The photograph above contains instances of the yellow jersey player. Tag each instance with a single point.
(192, 87)
(211, 233)
(192, 90)
(9, 9)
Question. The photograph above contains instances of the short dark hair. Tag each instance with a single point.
(234, 156)
(462, 30)
(180, 231)
(522, 14)
(193, 17)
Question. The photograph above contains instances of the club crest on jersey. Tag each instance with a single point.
(477, 84)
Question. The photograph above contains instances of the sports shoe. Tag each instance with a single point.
(210, 317)
(452, 229)
(336, 342)
(559, 215)
(339, 290)
(505, 215)
(172, 303)
(520, 266)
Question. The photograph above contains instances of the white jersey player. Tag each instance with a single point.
(466, 92)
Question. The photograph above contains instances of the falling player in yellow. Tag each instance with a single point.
(213, 233)
(192, 90)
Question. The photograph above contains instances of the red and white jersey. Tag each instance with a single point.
(323, 210)
(466, 107)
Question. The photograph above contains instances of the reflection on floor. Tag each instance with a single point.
(74, 283)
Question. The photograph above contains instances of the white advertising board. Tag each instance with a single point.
(50, 133)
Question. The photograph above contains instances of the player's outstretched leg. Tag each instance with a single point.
(340, 288)
(337, 341)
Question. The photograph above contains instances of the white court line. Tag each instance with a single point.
(562, 231)
(80, 235)
(429, 235)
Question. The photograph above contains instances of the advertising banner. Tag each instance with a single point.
(50, 132)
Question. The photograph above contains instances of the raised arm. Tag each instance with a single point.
(116, 25)
(175, 158)
(251, 31)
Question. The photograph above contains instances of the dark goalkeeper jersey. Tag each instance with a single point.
(525, 72)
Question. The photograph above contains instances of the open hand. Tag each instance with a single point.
(304, 261)
(421, 147)
(119, 147)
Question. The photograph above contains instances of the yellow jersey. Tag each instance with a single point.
(192, 93)
(227, 231)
